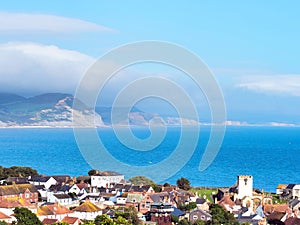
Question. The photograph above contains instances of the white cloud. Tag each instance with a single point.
(35, 68)
(46, 23)
(276, 84)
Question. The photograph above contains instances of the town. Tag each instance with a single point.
(105, 197)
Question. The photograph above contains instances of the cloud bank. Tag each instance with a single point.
(30, 68)
(277, 84)
(14, 22)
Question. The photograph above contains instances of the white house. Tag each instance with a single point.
(294, 189)
(53, 211)
(40, 180)
(87, 211)
(62, 199)
(121, 200)
(105, 179)
(78, 189)
(280, 188)
(6, 218)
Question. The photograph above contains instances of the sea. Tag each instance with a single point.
(270, 154)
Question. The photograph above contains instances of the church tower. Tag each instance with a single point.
(245, 186)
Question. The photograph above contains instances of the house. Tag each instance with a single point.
(292, 221)
(106, 179)
(87, 211)
(8, 205)
(79, 189)
(121, 199)
(270, 208)
(6, 218)
(160, 213)
(180, 196)
(84, 179)
(142, 189)
(17, 180)
(164, 197)
(142, 202)
(121, 188)
(293, 190)
(71, 220)
(280, 188)
(177, 212)
(202, 204)
(277, 218)
(46, 181)
(228, 204)
(63, 179)
(53, 211)
(251, 219)
(145, 204)
(50, 221)
(295, 206)
(199, 214)
(62, 199)
(26, 192)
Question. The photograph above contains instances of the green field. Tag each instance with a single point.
(205, 193)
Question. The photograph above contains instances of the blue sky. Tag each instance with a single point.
(252, 47)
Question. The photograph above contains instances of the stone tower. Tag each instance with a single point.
(245, 186)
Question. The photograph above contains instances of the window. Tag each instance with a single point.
(203, 217)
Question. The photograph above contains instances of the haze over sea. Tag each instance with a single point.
(270, 154)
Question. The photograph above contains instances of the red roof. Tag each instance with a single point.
(292, 221)
(70, 220)
(270, 208)
(49, 221)
(52, 209)
(82, 185)
(13, 203)
(227, 201)
(3, 216)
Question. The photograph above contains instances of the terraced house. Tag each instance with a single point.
(24, 192)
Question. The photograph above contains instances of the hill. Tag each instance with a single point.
(46, 110)
(55, 110)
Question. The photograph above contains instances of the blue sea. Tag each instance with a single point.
(270, 154)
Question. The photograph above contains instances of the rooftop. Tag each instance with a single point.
(87, 207)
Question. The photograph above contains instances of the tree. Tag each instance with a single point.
(87, 222)
(121, 220)
(184, 222)
(3, 223)
(156, 187)
(174, 219)
(167, 185)
(199, 222)
(191, 206)
(92, 172)
(141, 180)
(221, 216)
(130, 214)
(26, 217)
(103, 220)
(16, 171)
(183, 183)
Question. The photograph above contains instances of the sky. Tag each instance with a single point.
(252, 48)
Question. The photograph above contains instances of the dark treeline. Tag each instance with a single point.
(17, 171)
